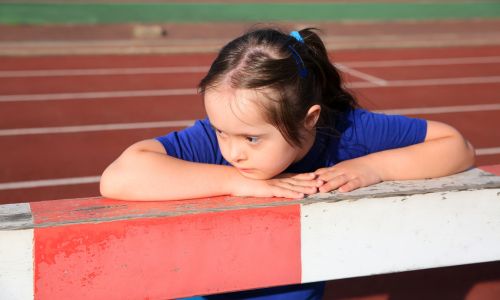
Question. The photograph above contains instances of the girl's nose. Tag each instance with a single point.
(237, 153)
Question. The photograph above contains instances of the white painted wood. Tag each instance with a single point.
(384, 235)
(16, 264)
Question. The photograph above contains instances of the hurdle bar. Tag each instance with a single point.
(97, 248)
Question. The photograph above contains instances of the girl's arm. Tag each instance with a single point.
(145, 172)
(444, 152)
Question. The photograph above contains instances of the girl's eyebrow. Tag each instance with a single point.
(239, 134)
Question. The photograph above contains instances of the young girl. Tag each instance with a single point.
(280, 123)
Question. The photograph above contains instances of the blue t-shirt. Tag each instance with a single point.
(357, 133)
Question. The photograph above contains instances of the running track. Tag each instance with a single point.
(64, 119)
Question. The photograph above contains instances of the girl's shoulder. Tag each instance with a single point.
(196, 143)
(377, 131)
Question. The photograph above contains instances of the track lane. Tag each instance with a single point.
(49, 156)
(103, 61)
(81, 84)
(98, 111)
(147, 109)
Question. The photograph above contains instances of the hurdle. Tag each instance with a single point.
(98, 248)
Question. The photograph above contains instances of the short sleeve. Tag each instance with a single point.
(373, 132)
(197, 143)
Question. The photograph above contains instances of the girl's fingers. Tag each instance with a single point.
(296, 188)
(304, 176)
(331, 174)
(308, 183)
(334, 183)
(350, 185)
(321, 171)
(286, 193)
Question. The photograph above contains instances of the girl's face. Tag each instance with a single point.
(256, 148)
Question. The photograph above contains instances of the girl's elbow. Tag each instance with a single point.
(109, 185)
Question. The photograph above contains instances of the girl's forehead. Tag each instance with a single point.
(229, 107)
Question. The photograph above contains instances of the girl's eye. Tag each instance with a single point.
(218, 132)
(252, 139)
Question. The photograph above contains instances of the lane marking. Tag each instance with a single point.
(204, 69)
(186, 123)
(362, 75)
(185, 92)
(427, 82)
(424, 62)
(440, 109)
(100, 72)
(48, 182)
(445, 81)
(97, 127)
(97, 95)
(488, 151)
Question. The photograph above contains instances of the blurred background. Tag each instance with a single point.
(80, 81)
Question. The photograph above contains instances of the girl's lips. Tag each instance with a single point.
(245, 170)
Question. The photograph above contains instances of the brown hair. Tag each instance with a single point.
(265, 58)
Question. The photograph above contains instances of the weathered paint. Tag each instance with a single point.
(91, 210)
(16, 264)
(386, 235)
(15, 216)
(179, 256)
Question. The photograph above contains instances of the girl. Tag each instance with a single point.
(280, 123)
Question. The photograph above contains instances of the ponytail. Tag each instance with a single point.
(335, 98)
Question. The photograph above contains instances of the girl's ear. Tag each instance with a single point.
(312, 116)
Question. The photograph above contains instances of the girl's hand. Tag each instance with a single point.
(284, 185)
(348, 175)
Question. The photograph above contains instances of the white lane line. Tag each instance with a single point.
(100, 72)
(98, 127)
(186, 123)
(440, 109)
(488, 151)
(427, 82)
(97, 95)
(362, 75)
(203, 69)
(424, 62)
(48, 182)
(95, 179)
(184, 92)
(445, 81)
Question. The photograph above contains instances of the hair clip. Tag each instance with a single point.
(297, 36)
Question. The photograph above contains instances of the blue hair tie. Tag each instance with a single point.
(296, 56)
(298, 60)
(297, 36)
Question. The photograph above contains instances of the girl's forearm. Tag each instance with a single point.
(145, 175)
(433, 158)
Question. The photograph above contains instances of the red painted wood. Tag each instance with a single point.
(162, 258)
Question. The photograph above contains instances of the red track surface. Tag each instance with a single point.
(29, 157)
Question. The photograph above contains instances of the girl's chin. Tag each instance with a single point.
(255, 174)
